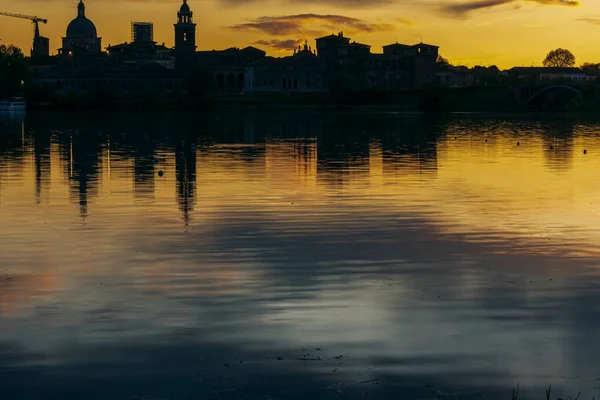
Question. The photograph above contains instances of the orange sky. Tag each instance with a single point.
(501, 32)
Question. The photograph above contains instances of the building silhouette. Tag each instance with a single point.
(302, 72)
(185, 30)
(142, 49)
(131, 69)
(41, 44)
(81, 36)
(142, 32)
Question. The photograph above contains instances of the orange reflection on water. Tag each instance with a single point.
(84, 199)
(26, 290)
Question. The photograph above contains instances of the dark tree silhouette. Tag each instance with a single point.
(559, 58)
(442, 62)
(14, 70)
(590, 67)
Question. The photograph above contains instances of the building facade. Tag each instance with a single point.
(399, 67)
(301, 73)
(142, 49)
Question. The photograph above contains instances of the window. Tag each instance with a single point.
(185, 37)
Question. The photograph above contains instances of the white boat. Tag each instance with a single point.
(13, 104)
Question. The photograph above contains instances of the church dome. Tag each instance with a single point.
(81, 27)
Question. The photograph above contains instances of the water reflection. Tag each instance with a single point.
(558, 145)
(297, 254)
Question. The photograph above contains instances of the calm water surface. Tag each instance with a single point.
(288, 255)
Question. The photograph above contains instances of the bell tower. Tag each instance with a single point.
(185, 30)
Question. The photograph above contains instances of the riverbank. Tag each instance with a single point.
(477, 99)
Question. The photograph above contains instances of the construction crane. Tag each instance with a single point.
(41, 45)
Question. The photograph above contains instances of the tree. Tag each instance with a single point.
(559, 58)
(590, 67)
(442, 62)
(14, 70)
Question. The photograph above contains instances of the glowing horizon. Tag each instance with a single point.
(483, 32)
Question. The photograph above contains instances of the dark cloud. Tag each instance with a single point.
(288, 44)
(310, 25)
(463, 9)
(454, 7)
(568, 3)
(595, 21)
(339, 3)
(405, 21)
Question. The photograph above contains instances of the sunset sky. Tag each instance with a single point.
(501, 32)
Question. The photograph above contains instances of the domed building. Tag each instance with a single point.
(81, 35)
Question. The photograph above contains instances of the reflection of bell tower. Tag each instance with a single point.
(185, 170)
(185, 30)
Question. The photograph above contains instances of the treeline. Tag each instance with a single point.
(14, 71)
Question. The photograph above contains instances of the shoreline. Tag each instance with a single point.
(383, 109)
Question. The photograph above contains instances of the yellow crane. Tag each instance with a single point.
(40, 44)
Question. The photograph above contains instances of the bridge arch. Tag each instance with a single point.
(551, 87)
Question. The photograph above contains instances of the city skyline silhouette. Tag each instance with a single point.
(468, 32)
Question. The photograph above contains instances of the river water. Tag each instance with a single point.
(282, 255)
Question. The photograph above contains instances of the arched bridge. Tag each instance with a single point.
(552, 92)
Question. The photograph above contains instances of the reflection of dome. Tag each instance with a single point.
(81, 27)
